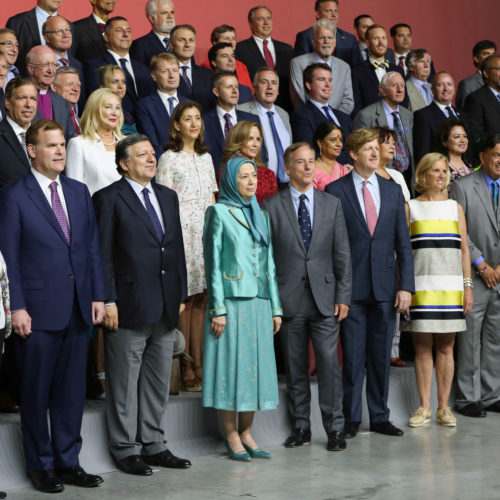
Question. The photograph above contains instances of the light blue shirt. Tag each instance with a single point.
(309, 201)
(388, 114)
(41, 17)
(268, 134)
(372, 186)
(320, 106)
(495, 93)
(322, 61)
(152, 197)
(421, 86)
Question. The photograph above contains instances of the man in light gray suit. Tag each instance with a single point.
(314, 272)
(274, 120)
(480, 52)
(324, 42)
(388, 113)
(478, 349)
(418, 89)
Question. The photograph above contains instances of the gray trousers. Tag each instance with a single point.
(478, 350)
(138, 365)
(294, 338)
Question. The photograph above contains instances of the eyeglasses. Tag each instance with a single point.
(10, 44)
(59, 32)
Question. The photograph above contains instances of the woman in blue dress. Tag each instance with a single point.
(243, 312)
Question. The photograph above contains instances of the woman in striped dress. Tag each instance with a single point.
(443, 284)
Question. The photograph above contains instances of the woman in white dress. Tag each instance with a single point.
(187, 168)
(91, 155)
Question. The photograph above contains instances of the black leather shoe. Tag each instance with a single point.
(46, 481)
(494, 407)
(351, 429)
(78, 477)
(167, 459)
(336, 441)
(474, 410)
(134, 464)
(3, 494)
(386, 428)
(299, 437)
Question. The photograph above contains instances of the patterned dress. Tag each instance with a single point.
(437, 305)
(192, 177)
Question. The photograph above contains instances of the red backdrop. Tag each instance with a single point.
(447, 28)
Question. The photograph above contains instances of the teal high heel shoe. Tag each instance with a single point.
(240, 456)
(257, 453)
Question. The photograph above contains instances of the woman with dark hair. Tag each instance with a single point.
(245, 140)
(327, 143)
(187, 168)
(454, 142)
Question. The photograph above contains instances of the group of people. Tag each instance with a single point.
(329, 193)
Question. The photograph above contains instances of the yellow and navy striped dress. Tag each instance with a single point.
(437, 305)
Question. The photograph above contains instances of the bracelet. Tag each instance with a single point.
(468, 284)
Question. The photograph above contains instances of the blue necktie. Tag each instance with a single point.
(166, 41)
(171, 105)
(282, 177)
(326, 109)
(451, 113)
(128, 77)
(304, 222)
(494, 186)
(428, 94)
(153, 215)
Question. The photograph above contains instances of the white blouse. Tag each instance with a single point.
(398, 178)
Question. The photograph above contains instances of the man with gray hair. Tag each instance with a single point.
(68, 85)
(324, 43)
(419, 64)
(161, 15)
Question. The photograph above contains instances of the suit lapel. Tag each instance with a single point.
(258, 53)
(318, 217)
(352, 198)
(13, 142)
(166, 211)
(236, 215)
(371, 73)
(219, 135)
(484, 195)
(380, 113)
(33, 25)
(384, 200)
(287, 202)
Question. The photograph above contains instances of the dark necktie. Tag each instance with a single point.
(101, 26)
(171, 105)
(59, 211)
(153, 215)
(166, 42)
(304, 222)
(370, 208)
(494, 186)
(328, 114)
(279, 149)
(63, 61)
(402, 153)
(186, 78)
(15, 71)
(22, 135)
(128, 77)
(267, 55)
(228, 125)
(451, 113)
(401, 62)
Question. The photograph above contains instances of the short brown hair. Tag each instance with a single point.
(423, 167)
(360, 137)
(14, 84)
(220, 30)
(35, 128)
(292, 148)
(162, 56)
(373, 27)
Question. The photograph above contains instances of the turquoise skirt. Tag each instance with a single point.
(239, 368)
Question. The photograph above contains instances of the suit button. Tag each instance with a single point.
(162, 249)
(255, 255)
(71, 276)
(255, 245)
(255, 263)
(163, 271)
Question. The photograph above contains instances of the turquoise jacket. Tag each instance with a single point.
(235, 265)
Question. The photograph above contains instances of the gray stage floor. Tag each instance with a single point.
(427, 464)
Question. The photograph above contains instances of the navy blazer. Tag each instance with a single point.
(89, 39)
(13, 161)
(201, 86)
(365, 85)
(374, 265)
(145, 277)
(60, 110)
(153, 120)
(305, 119)
(247, 51)
(346, 47)
(145, 47)
(214, 136)
(483, 110)
(45, 274)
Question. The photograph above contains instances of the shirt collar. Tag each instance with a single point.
(118, 56)
(319, 59)
(296, 194)
(221, 112)
(263, 110)
(98, 20)
(188, 64)
(15, 126)
(442, 107)
(138, 188)
(43, 180)
(495, 92)
(489, 180)
(358, 179)
(388, 109)
(417, 82)
(41, 14)
(164, 95)
(260, 40)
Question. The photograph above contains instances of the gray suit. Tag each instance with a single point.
(415, 98)
(466, 87)
(478, 367)
(310, 283)
(341, 97)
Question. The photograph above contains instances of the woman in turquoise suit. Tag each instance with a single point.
(243, 312)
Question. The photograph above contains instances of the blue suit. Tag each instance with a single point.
(145, 47)
(201, 86)
(56, 282)
(153, 120)
(368, 328)
(305, 119)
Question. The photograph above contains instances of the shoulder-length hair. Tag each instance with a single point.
(424, 165)
(238, 136)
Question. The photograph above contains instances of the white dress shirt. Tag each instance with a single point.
(165, 99)
(372, 186)
(221, 112)
(138, 188)
(128, 64)
(309, 201)
(18, 130)
(443, 107)
(380, 71)
(270, 46)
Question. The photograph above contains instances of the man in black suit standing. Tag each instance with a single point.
(161, 15)
(145, 277)
(89, 31)
(261, 50)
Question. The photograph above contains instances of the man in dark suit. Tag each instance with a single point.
(426, 121)
(21, 105)
(195, 80)
(118, 39)
(367, 75)
(377, 232)
(154, 111)
(67, 84)
(313, 268)
(361, 24)
(88, 32)
(346, 46)
(219, 120)
(304, 120)
(56, 291)
(145, 277)
(262, 50)
(483, 105)
(161, 15)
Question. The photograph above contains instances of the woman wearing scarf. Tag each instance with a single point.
(243, 312)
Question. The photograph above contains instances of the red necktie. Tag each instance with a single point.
(74, 120)
(267, 56)
(101, 26)
(401, 62)
(63, 61)
(370, 209)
